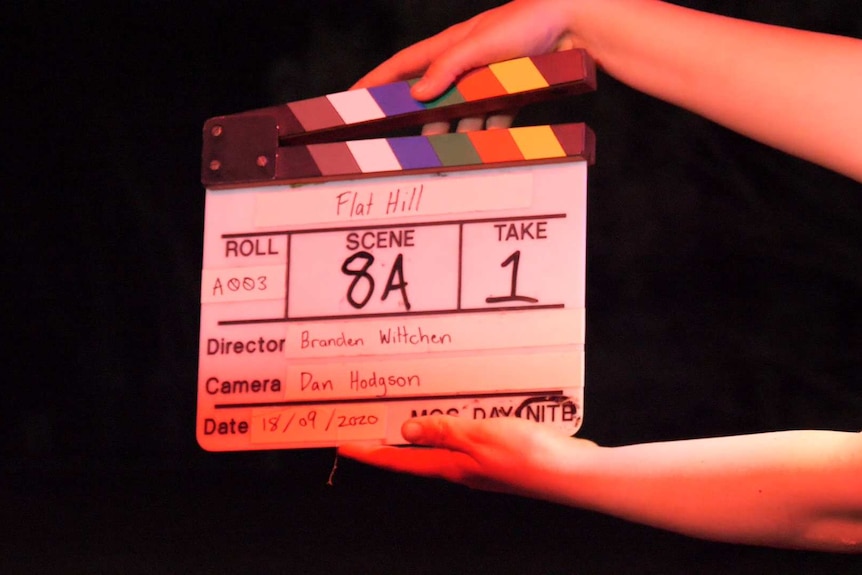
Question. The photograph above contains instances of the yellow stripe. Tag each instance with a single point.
(537, 142)
(519, 75)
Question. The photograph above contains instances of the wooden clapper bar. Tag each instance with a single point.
(351, 281)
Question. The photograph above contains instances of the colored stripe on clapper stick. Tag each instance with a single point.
(380, 156)
(477, 92)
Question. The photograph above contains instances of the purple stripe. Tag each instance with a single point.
(414, 152)
(395, 98)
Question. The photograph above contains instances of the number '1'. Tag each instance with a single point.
(513, 259)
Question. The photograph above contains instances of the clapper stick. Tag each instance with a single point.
(321, 137)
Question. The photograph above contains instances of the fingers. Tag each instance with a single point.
(443, 431)
(464, 125)
(508, 31)
(506, 454)
(493, 122)
(442, 58)
(500, 120)
(454, 53)
(414, 60)
(439, 463)
(471, 124)
(409, 63)
(450, 65)
(450, 459)
(434, 128)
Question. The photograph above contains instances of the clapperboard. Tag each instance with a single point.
(351, 281)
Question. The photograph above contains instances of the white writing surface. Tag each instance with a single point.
(333, 312)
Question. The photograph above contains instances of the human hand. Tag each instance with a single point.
(508, 454)
(520, 28)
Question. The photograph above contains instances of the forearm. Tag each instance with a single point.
(795, 90)
(787, 489)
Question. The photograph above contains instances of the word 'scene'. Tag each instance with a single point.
(381, 239)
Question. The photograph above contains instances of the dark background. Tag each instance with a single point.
(724, 297)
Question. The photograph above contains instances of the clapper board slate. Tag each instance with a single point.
(351, 281)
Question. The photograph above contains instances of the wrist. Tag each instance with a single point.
(572, 472)
(594, 25)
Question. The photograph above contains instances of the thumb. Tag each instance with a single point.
(444, 431)
(412, 431)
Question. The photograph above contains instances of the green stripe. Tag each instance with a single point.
(454, 149)
(448, 98)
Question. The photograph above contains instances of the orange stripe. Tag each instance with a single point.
(495, 146)
(479, 84)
